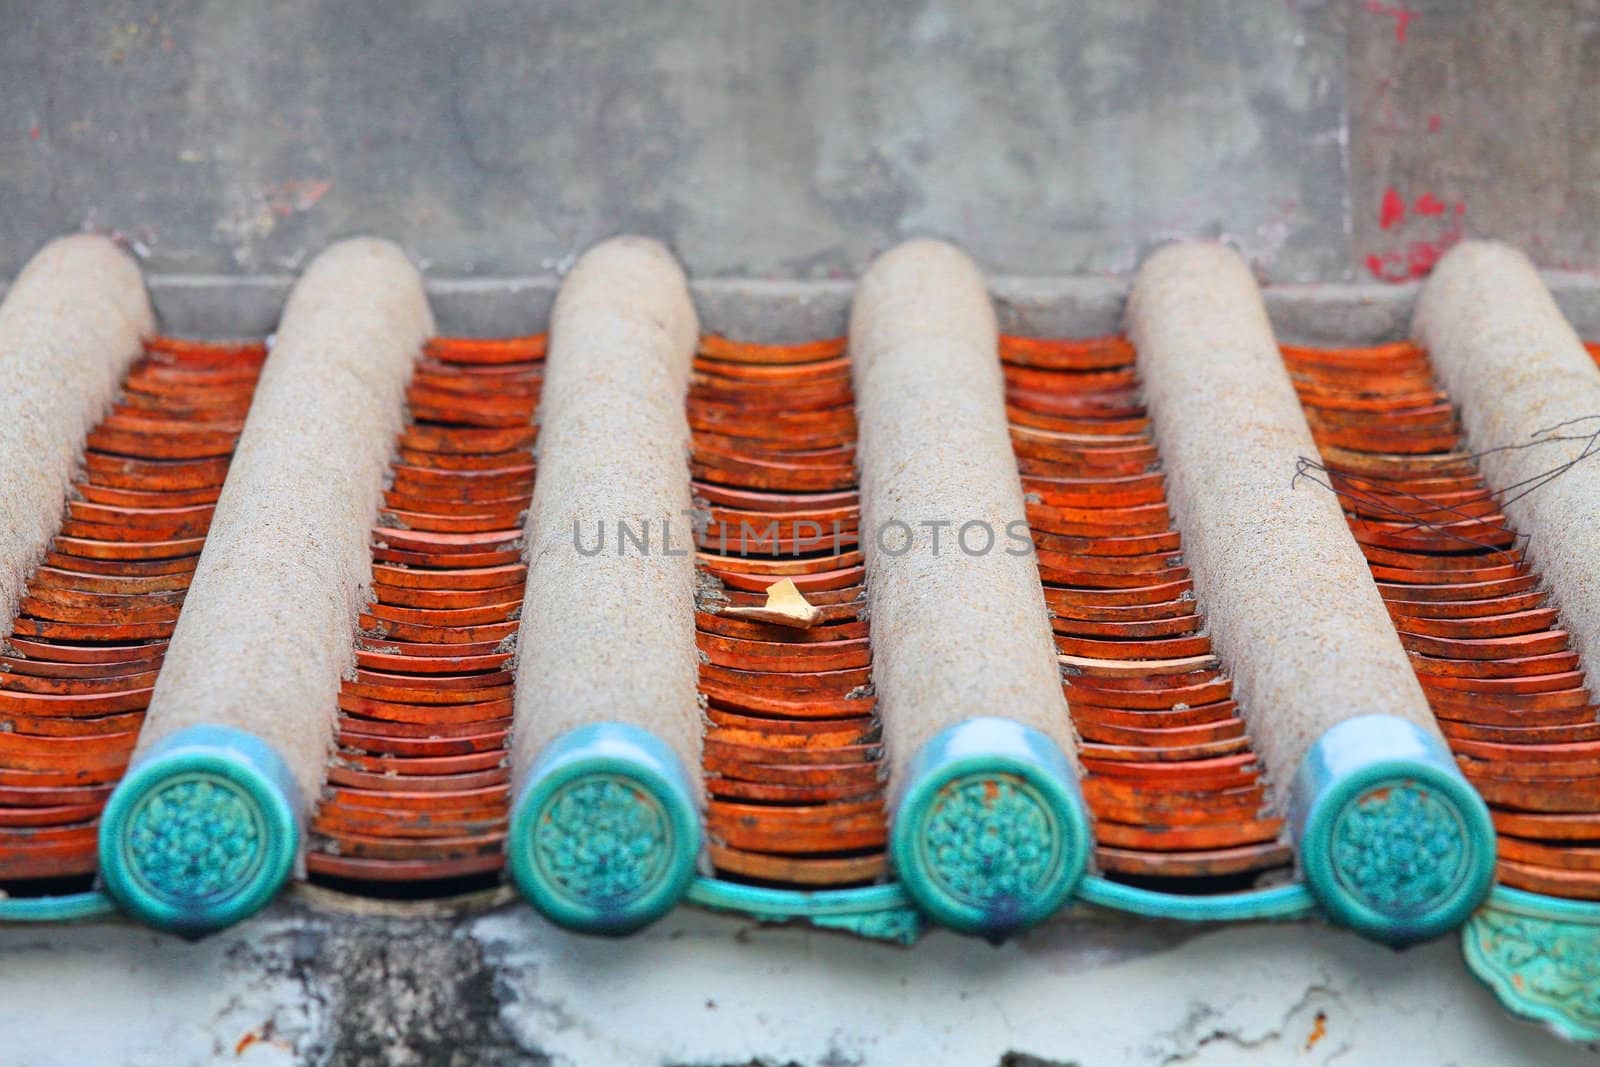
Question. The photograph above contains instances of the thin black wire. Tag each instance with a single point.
(1310, 469)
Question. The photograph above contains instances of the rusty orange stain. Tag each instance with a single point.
(1319, 1030)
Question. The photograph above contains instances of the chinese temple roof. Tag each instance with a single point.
(935, 599)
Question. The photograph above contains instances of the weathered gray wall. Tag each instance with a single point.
(1474, 118)
(758, 138)
(791, 139)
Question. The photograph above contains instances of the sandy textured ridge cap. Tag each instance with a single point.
(988, 832)
(955, 634)
(1291, 604)
(70, 326)
(265, 633)
(605, 827)
(1520, 374)
(918, 291)
(611, 636)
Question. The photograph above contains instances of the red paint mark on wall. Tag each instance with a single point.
(1401, 14)
(1436, 224)
(1423, 256)
(1413, 261)
(1434, 122)
(1393, 209)
(302, 194)
(1428, 204)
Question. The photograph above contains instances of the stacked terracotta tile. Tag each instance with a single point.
(793, 763)
(79, 666)
(417, 791)
(1482, 627)
(1169, 774)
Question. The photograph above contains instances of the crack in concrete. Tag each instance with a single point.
(1189, 1039)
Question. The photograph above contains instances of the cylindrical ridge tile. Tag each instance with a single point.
(1391, 838)
(605, 828)
(71, 325)
(988, 831)
(1520, 375)
(205, 827)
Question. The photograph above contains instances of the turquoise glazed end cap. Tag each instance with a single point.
(202, 832)
(990, 835)
(1393, 841)
(605, 835)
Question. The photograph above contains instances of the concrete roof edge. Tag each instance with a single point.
(790, 310)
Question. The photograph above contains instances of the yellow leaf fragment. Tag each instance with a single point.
(785, 606)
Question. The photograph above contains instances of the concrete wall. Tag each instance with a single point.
(1474, 118)
(797, 139)
(303, 986)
